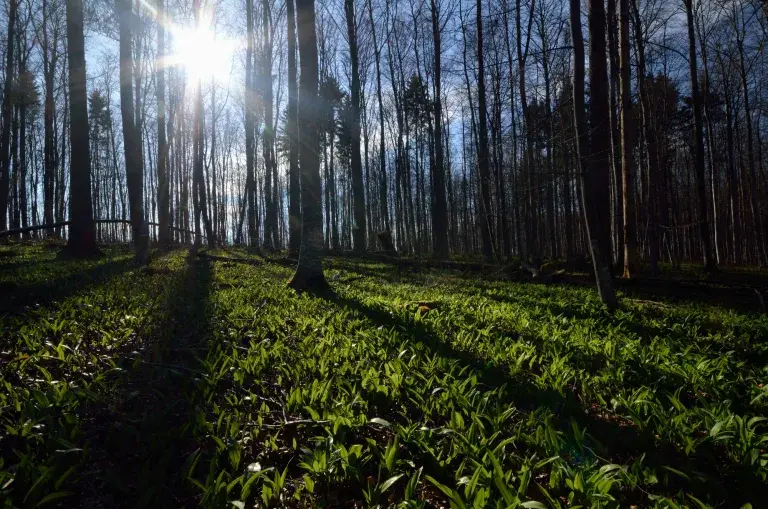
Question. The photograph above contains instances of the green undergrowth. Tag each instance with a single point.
(205, 382)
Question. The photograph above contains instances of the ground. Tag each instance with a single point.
(204, 381)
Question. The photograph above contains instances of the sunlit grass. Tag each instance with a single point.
(209, 382)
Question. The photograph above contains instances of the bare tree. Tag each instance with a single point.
(698, 126)
(5, 139)
(163, 197)
(309, 272)
(133, 169)
(82, 237)
(592, 162)
(627, 163)
(294, 194)
(358, 193)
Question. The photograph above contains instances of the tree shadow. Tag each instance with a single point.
(18, 292)
(141, 433)
(612, 439)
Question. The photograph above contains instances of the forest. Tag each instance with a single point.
(384, 253)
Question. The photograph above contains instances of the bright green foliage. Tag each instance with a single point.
(209, 383)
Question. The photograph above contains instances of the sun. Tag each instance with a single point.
(202, 52)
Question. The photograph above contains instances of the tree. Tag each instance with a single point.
(358, 194)
(5, 139)
(592, 162)
(439, 206)
(482, 156)
(294, 192)
(132, 149)
(50, 58)
(251, 204)
(382, 153)
(268, 136)
(163, 198)
(199, 186)
(309, 272)
(534, 253)
(82, 237)
(627, 163)
(698, 125)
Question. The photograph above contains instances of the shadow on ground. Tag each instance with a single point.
(611, 440)
(141, 434)
(16, 294)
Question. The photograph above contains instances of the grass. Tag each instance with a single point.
(202, 382)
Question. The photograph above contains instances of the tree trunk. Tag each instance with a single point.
(594, 168)
(482, 154)
(294, 179)
(627, 163)
(701, 189)
(439, 207)
(163, 194)
(534, 253)
(133, 170)
(5, 133)
(383, 205)
(82, 237)
(309, 272)
(250, 180)
(358, 188)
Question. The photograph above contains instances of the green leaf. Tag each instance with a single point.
(380, 422)
(54, 496)
(533, 504)
(678, 472)
(389, 482)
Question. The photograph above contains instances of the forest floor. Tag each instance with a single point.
(202, 380)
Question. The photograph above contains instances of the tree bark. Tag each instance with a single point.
(701, 189)
(294, 179)
(133, 170)
(627, 163)
(439, 207)
(482, 154)
(358, 187)
(82, 237)
(383, 204)
(594, 168)
(5, 139)
(163, 194)
(309, 272)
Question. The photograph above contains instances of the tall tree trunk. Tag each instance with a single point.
(199, 194)
(482, 155)
(627, 163)
(131, 135)
(439, 206)
(82, 236)
(250, 105)
(710, 145)
(383, 205)
(594, 168)
(534, 253)
(163, 192)
(358, 188)
(50, 56)
(753, 185)
(309, 272)
(294, 179)
(649, 138)
(268, 136)
(5, 133)
(614, 70)
(701, 189)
